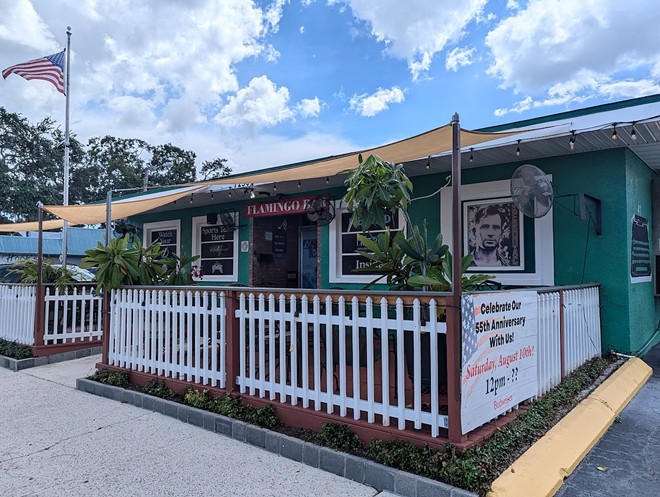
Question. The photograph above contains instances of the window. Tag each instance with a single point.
(217, 246)
(167, 232)
(498, 194)
(345, 248)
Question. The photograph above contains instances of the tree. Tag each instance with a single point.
(215, 169)
(31, 159)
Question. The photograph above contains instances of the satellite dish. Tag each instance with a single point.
(320, 210)
(531, 191)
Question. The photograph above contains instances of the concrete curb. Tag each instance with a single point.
(33, 362)
(345, 465)
(542, 469)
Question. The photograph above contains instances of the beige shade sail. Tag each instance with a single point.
(31, 226)
(434, 142)
(96, 213)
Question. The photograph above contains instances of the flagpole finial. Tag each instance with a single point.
(68, 30)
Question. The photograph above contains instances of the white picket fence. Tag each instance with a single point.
(582, 332)
(171, 333)
(17, 304)
(361, 357)
(73, 316)
(298, 349)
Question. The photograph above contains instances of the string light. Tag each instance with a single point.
(614, 135)
(211, 195)
(252, 195)
(518, 149)
(571, 142)
(327, 180)
(229, 193)
(191, 198)
(428, 163)
(471, 155)
(633, 133)
(299, 185)
(274, 187)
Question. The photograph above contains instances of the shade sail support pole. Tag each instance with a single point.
(454, 331)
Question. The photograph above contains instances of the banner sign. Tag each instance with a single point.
(499, 354)
(282, 207)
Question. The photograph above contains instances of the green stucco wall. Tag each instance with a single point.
(629, 312)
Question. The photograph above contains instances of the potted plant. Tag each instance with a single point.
(407, 262)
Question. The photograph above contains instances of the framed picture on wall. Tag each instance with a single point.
(493, 234)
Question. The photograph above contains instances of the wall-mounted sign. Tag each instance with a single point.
(499, 354)
(282, 207)
(640, 251)
(245, 246)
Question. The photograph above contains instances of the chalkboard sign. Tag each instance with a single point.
(168, 239)
(351, 248)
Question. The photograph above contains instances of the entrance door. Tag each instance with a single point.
(308, 257)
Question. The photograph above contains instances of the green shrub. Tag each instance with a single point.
(14, 350)
(339, 437)
(197, 398)
(159, 389)
(114, 378)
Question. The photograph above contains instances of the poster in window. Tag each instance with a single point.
(493, 234)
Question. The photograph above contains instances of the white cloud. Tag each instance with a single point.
(416, 30)
(549, 43)
(309, 107)
(370, 105)
(459, 57)
(260, 104)
(22, 24)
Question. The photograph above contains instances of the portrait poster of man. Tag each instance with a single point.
(493, 234)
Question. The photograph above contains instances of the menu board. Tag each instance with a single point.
(168, 239)
(351, 248)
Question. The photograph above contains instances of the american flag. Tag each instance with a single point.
(49, 68)
(469, 328)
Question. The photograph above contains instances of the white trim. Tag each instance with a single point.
(197, 223)
(174, 224)
(544, 260)
(334, 251)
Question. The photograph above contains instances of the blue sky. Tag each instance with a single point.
(264, 83)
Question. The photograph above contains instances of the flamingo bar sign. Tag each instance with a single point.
(282, 207)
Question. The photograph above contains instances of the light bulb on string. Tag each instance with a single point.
(571, 142)
(471, 154)
(229, 193)
(327, 180)
(518, 149)
(191, 198)
(614, 135)
(633, 133)
(428, 163)
(299, 185)
(274, 187)
(252, 195)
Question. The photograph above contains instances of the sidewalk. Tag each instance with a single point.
(629, 453)
(57, 441)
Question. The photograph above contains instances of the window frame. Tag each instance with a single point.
(196, 224)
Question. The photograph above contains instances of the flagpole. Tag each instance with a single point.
(65, 228)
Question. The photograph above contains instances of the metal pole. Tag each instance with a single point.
(65, 227)
(454, 331)
(40, 294)
(146, 179)
(108, 217)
